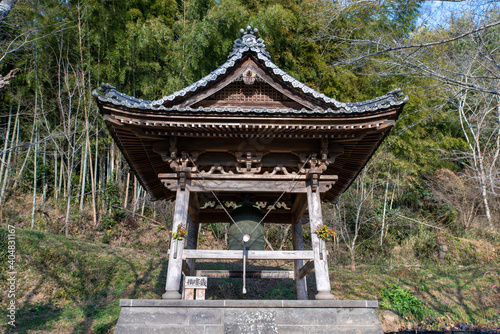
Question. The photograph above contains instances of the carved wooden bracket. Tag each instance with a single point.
(178, 162)
(249, 162)
(327, 156)
(216, 171)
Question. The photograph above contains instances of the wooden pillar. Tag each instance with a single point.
(298, 244)
(192, 243)
(320, 262)
(174, 270)
(193, 229)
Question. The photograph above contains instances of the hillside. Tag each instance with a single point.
(69, 285)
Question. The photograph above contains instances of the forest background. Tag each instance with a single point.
(429, 196)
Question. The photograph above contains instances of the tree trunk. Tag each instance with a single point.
(353, 259)
(68, 207)
(68, 203)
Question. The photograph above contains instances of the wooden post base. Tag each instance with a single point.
(324, 295)
(171, 294)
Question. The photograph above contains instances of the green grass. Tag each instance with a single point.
(74, 286)
(405, 303)
(466, 294)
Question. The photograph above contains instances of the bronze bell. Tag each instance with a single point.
(247, 217)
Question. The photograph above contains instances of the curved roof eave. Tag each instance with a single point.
(121, 102)
(249, 43)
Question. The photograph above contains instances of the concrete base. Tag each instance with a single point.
(171, 295)
(248, 316)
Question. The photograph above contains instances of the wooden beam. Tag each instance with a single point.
(186, 269)
(298, 244)
(256, 185)
(220, 216)
(276, 145)
(194, 206)
(306, 269)
(174, 270)
(320, 262)
(252, 255)
(249, 274)
(192, 243)
(251, 177)
(299, 207)
(237, 197)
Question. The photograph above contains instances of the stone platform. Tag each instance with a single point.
(248, 316)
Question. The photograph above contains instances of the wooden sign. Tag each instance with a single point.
(192, 283)
(195, 282)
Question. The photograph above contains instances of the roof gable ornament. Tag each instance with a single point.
(249, 41)
(182, 100)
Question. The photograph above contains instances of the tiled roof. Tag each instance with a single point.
(120, 99)
(249, 43)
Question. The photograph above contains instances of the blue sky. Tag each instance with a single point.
(436, 13)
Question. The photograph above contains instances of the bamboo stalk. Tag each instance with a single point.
(83, 176)
(34, 178)
(5, 145)
(126, 191)
(56, 191)
(11, 153)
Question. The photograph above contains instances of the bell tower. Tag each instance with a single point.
(252, 135)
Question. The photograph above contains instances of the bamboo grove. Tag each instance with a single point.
(438, 169)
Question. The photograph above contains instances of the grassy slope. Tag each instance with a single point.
(73, 286)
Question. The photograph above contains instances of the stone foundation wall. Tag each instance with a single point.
(248, 316)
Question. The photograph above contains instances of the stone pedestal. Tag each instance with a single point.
(248, 316)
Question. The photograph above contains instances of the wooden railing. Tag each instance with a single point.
(252, 255)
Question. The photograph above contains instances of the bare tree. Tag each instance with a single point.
(354, 212)
(461, 53)
(479, 117)
(5, 80)
(455, 190)
(416, 53)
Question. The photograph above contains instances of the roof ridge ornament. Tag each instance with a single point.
(249, 31)
(249, 41)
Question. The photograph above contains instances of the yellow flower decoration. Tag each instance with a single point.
(324, 232)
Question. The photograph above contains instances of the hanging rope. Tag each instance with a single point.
(292, 186)
(246, 237)
(213, 193)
